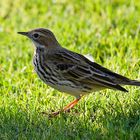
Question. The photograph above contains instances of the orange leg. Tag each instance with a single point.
(67, 108)
(71, 105)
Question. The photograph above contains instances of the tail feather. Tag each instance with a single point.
(133, 83)
(121, 88)
(130, 82)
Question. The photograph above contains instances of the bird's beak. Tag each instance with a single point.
(23, 33)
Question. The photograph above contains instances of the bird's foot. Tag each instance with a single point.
(65, 109)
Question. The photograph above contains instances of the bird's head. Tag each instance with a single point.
(42, 38)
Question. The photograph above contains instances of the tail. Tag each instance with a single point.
(132, 82)
(128, 82)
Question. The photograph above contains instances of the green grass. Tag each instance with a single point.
(109, 30)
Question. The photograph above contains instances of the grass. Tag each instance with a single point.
(108, 30)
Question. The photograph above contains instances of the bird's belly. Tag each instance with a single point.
(65, 87)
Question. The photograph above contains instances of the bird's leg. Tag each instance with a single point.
(68, 107)
(71, 105)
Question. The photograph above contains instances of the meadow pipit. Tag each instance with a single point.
(68, 71)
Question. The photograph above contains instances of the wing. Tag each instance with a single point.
(75, 67)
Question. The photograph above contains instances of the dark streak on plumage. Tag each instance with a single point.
(86, 71)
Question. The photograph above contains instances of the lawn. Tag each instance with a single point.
(108, 30)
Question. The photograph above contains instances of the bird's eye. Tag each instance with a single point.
(36, 35)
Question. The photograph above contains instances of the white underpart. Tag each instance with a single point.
(67, 88)
(38, 45)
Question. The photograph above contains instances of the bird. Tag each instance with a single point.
(70, 72)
